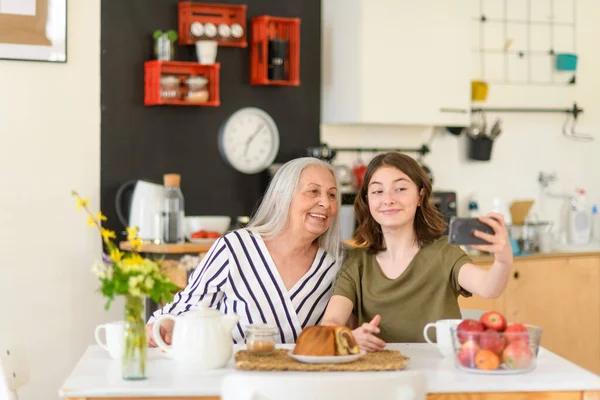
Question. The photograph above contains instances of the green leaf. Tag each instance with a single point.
(172, 35)
(157, 33)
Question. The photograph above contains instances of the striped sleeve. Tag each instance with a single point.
(206, 283)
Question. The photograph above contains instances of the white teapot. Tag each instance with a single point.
(201, 337)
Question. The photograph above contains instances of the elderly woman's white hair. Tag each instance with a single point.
(272, 214)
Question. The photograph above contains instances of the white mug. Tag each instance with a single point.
(115, 338)
(206, 51)
(443, 334)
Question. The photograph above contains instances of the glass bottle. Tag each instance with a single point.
(174, 214)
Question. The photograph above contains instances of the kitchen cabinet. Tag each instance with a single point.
(561, 294)
(396, 62)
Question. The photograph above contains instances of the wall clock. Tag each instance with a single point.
(249, 140)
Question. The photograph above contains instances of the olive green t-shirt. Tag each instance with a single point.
(425, 292)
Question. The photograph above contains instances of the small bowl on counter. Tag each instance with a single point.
(206, 228)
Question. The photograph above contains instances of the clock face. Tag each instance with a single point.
(249, 140)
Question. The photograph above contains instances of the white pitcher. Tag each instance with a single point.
(201, 337)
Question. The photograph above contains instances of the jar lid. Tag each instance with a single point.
(197, 80)
(169, 79)
(261, 329)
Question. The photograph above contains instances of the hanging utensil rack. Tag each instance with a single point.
(572, 114)
(424, 149)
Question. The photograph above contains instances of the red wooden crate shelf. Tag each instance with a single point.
(264, 29)
(182, 70)
(216, 14)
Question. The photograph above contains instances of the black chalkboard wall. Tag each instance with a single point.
(146, 142)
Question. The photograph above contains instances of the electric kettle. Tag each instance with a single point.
(145, 209)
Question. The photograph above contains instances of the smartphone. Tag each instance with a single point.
(461, 231)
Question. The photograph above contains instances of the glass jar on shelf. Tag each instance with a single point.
(197, 90)
(260, 339)
(169, 87)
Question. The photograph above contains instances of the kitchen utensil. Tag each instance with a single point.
(201, 337)
(344, 174)
(519, 210)
(147, 201)
(496, 129)
(359, 168)
(323, 152)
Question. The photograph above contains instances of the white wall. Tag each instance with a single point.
(529, 143)
(49, 145)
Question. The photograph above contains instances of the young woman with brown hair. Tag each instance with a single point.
(405, 274)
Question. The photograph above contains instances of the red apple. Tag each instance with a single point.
(518, 355)
(516, 332)
(493, 320)
(468, 329)
(466, 354)
(491, 340)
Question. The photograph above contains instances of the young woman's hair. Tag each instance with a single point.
(271, 217)
(429, 223)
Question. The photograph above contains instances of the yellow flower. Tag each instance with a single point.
(116, 255)
(131, 233)
(81, 203)
(91, 221)
(100, 217)
(107, 234)
(136, 244)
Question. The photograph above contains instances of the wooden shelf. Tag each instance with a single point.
(216, 14)
(182, 70)
(264, 29)
(183, 248)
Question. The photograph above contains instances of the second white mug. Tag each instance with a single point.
(443, 335)
(115, 338)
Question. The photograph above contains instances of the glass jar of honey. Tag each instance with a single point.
(260, 338)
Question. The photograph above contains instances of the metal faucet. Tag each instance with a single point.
(545, 179)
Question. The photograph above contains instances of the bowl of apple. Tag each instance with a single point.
(490, 345)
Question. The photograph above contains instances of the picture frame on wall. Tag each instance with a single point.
(33, 30)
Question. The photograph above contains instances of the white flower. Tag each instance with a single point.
(149, 283)
(102, 270)
(188, 262)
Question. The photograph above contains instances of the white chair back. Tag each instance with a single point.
(14, 369)
(398, 385)
(471, 314)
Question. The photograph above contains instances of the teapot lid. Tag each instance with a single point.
(203, 310)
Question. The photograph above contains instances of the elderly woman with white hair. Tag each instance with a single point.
(280, 269)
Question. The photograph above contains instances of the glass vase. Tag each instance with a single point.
(136, 342)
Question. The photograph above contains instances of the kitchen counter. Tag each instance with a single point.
(183, 248)
(538, 256)
(97, 376)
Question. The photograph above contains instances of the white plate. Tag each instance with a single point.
(202, 241)
(327, 359)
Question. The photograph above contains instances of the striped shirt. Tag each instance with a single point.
(238, 275)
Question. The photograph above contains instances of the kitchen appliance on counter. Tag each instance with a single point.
(445, 202)
(346, 216)
(147, 201)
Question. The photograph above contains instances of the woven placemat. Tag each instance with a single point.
(280, 360)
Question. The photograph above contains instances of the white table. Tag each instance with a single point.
(97, 376)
